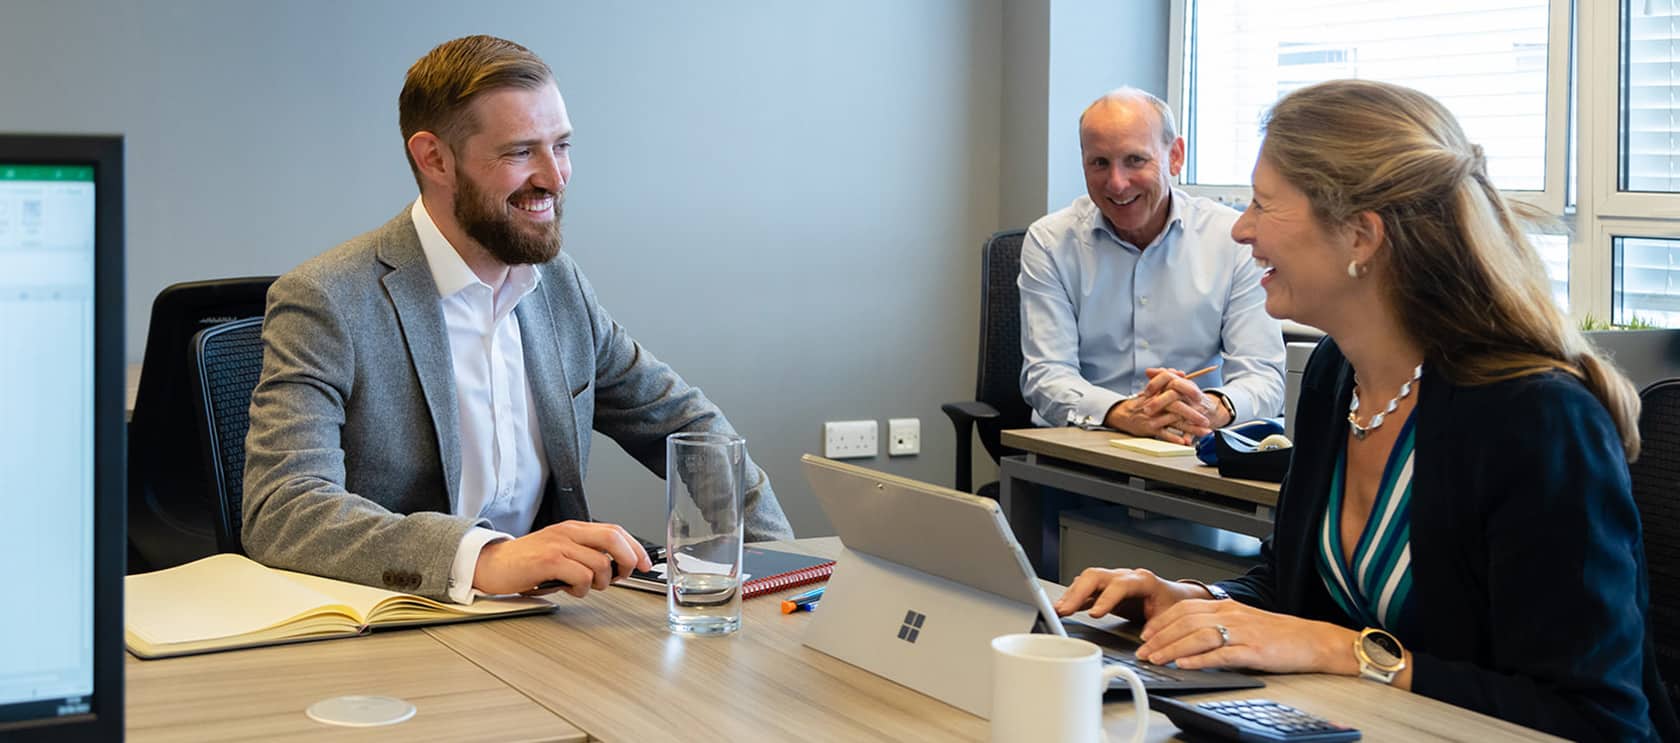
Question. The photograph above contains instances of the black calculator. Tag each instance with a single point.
(1249, 719)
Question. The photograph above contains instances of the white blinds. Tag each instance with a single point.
(1484, 59)
(1650, 158)
(1647, 282)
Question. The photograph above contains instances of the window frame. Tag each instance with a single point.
(1602, 91)
(1603, 212)
(1609, 230)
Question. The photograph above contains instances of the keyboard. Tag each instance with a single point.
(1150, 673)
(1172, 679)
(1157, 679)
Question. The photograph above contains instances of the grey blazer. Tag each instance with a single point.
(353, 458)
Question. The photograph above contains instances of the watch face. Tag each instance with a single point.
(1382, 648)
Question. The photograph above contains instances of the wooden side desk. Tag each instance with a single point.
(261, 694)
(608, 665)
(1083, 462)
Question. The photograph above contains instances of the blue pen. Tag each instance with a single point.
(815, 593)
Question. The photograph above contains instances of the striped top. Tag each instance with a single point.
(1374, 586)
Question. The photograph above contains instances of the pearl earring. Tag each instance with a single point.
(1353, 269)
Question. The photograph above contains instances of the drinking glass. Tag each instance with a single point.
(705, 483)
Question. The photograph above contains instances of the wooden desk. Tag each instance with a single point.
(608, 665)
(261, 694)
(1083, 462)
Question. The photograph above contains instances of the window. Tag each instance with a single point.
(1485, 59)
(1577, 105)
(1649, 128)
(1646, 281)
(1630, 52)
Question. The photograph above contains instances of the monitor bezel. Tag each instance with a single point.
(105, 154)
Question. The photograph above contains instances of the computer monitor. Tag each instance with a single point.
(61, 437)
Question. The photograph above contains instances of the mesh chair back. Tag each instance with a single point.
(1656, 488)
(998, 379)
(228, 360)
(171, 506)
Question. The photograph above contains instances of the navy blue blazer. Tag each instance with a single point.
(1528, 575)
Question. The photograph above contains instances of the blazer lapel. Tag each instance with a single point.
(1314, 465)
(1431, 458)
(414, 296)
(551, 385)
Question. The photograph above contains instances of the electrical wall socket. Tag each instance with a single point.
(904, 436)
(850, 439)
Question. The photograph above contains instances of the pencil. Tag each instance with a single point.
(1200, 372)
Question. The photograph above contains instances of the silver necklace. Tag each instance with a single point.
(1360, 432)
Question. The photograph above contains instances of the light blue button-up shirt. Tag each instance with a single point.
(1096, 312)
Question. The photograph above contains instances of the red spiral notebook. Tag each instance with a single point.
(767, 571)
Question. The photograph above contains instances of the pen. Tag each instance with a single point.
(815, 593)
(803, 602)
(1200, 372)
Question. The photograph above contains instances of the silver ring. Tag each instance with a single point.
(1224, 635)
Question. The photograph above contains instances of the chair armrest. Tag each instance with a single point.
(969, 411)
(963, 415)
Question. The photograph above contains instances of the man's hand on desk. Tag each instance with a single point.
(1170, 408)
(581, 553)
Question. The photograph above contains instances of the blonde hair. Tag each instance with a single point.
(441, 85)
(1461, 275)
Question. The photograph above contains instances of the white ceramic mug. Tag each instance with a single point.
(1046, 687)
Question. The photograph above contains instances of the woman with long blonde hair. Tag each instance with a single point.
(1457, 519)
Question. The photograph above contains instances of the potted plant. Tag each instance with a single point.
(1643, 351)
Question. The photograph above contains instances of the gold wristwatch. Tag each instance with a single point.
(1380, 654)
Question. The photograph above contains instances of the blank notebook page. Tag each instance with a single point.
(1153, 447)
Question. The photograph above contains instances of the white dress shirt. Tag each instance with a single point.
(1096, 311)
(502, 463)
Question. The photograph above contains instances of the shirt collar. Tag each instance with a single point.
(1175, 217)
(449, 271)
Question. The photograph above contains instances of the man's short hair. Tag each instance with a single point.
(1163, 112)
(441, 85)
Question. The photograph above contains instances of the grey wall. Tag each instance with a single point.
(1026, 96)
(782, 199)
(1134, 32)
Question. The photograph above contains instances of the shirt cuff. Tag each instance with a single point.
(1092, 409)
(1241, 406)
(466, 562)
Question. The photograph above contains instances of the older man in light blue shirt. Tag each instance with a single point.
(1136, 284)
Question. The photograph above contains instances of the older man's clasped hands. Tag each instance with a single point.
(1171, 408)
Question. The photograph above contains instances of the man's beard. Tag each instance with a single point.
(498, 232)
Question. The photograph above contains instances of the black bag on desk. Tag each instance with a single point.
(1242, 457)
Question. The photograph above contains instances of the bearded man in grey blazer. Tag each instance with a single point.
(423, 418)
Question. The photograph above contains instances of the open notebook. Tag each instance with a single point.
(229, 601)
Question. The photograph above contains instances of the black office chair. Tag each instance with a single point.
(997, 403)
(171, 505)
(1656, 489)
(227, 361)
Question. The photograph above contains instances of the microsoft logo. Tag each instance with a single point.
(912, 625)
